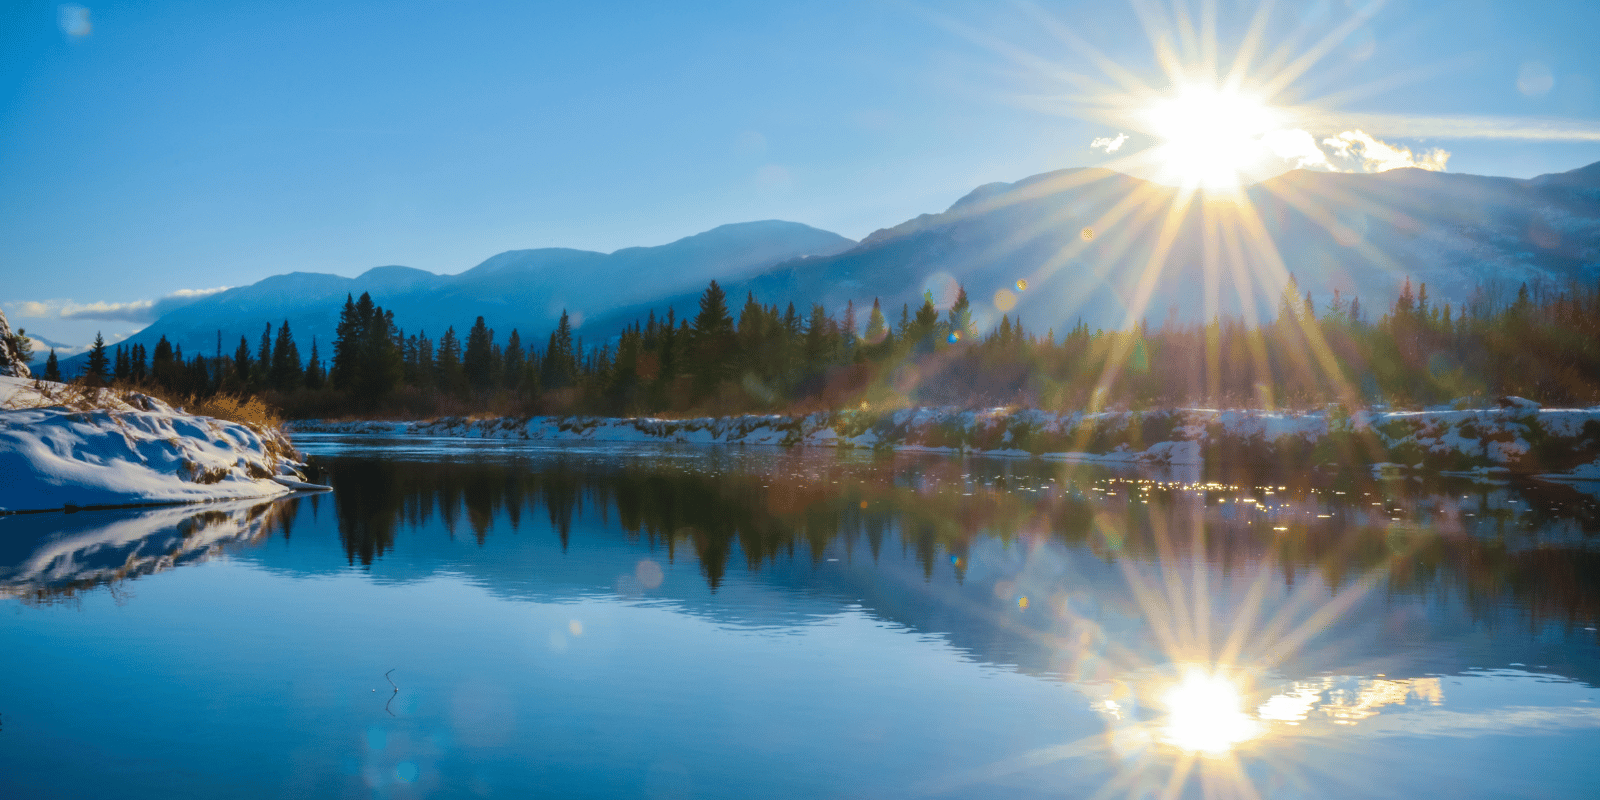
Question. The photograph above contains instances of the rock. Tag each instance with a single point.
(11, 363)
(1518, 404)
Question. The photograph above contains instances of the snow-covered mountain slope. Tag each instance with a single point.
(66, 447)
(1089, 243)
(522, 289)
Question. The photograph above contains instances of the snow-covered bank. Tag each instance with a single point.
(63, 448)
(1516, 436)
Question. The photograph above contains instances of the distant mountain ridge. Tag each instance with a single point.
(1089, 245)
(517, 289)
(1086, 244)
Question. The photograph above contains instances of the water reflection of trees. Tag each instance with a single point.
(1489, 544)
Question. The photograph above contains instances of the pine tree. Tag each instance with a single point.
(560, 367)
(241, 360)
(447, 363)
(1289, 303)
(285, 373)
(923, 326)
(263, 372)
(711, 343)
(477, 362)
(346, 346)
(52, 367)
(98, 367)
(877, 327)
(314, 376)
(137, 367)
(848, 328)
(961, 313)
(514, 361)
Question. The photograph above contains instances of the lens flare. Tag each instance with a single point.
(1022, 284)
(1212, 137)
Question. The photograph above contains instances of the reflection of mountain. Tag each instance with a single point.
(770, 538)
(44, 556)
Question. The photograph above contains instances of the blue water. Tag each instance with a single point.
(464, 619)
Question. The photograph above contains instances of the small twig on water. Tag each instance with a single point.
(392, 694)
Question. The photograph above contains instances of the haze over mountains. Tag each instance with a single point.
(1150, 256)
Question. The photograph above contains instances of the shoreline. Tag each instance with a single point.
(1517, 438)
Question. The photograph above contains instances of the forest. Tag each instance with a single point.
(1543, 343)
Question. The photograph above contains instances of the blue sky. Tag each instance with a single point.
(153, 148)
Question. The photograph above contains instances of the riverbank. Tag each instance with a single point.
(67, 447)
(1515, 437)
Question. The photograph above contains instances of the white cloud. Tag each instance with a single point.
(1109, 144)
(140, 311)
(1298, 146)
(1373, 155)
(33, 309)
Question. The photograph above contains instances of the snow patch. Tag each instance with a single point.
(132, 450)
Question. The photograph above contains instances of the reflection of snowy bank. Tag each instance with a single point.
(43, 555)
(1517, 436)
(127, 450)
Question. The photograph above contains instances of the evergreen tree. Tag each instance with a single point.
(241, 361)
(848, 329)
(877, 326)
(712, 341)
(346, 346)
(98, 368)
(52, 367)
(314, 377)
(137, 367)
(924, 327)
(961, 313)
(514, 362)
(560, 367)
(366, 351)
(447, 363)
(121, 368)
(263, 373)
(477, 362)
(285, 373)
(22, 346)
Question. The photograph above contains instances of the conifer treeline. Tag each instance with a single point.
(1544, 344)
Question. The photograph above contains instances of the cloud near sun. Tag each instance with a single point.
(1350, 151)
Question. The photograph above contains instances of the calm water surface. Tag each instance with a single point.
(621, 621)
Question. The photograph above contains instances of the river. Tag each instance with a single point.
(516, 619)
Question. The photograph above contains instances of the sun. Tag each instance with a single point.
(1212, 138)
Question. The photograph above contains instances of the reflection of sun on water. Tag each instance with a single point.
(1203, 714)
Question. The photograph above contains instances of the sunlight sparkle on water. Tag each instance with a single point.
(1203, 713)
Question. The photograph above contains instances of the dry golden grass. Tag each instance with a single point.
(235, 408)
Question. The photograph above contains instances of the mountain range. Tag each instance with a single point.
(1076, 244)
